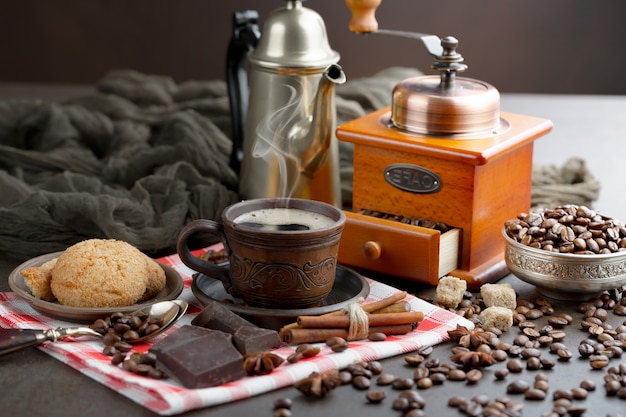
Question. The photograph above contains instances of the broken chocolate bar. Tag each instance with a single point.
(199, 359)
(179, 335)
(252, 339)
(216, 316)
(247, 337)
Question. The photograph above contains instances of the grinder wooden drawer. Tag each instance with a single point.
(398, 249)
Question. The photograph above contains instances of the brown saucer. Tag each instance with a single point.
(349, 286)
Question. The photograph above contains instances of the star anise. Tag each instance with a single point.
(261, 363)
(473, 359)
(319, 384)
(469, 338)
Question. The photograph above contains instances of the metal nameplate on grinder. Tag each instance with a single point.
(412, 178)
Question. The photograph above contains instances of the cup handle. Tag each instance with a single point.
(209, 269)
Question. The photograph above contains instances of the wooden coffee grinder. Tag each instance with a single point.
(443, 152)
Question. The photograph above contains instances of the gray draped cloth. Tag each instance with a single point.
(136, 160)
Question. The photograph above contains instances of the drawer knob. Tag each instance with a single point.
(372, 250)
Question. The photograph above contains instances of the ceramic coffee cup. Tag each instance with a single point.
(282, 251)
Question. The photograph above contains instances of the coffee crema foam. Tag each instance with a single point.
(284, 219)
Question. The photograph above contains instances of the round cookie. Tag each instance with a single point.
(100, 273)
(156, 279)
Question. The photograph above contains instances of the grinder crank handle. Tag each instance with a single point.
(363, 21)
(363, 15)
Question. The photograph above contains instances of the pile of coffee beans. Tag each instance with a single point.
(139, 363)
(337, 344)
(305, 350)
(412, 220)
(119, 330)
(568, 229)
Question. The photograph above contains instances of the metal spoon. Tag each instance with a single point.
(12, 340)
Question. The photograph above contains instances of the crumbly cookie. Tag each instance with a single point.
(37, 279)
(100, 273)
(156, 279)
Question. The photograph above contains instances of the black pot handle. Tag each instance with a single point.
(244, 39)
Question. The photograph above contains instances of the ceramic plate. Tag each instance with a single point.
(173, 287)
(348, 288)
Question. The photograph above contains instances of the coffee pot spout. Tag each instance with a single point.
(320, 135)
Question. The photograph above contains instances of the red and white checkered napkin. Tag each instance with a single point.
(167, 397)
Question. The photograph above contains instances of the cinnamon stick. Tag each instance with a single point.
(384, 302)
(399, 307)
(298, 336)
(384, 319)
(368, 308)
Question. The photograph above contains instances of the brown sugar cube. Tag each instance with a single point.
(449, 292)
(499, 317)
(498, 295)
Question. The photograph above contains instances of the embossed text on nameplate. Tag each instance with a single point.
(412, 178)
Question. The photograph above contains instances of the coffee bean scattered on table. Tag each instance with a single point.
(531, 352)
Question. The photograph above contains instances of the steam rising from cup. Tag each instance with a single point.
(279, 137)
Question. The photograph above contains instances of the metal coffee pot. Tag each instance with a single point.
(282, 106)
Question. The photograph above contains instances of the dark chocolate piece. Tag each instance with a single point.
(253, 339)
(216, 316)
(247, 337)
(183, 333)
(200, 359)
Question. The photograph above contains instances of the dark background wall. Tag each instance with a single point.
(555, 46)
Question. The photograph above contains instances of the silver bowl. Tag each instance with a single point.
(565, 276)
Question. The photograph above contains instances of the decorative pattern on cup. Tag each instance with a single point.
(264, 282)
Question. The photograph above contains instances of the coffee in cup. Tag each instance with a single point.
(284, 219)
(282, 251)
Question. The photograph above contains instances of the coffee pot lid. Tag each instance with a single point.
(294, 37)
(446, 104)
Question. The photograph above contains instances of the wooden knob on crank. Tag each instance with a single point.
(372, 250)
(363, 15)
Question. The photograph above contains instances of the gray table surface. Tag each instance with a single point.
(32, 383)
